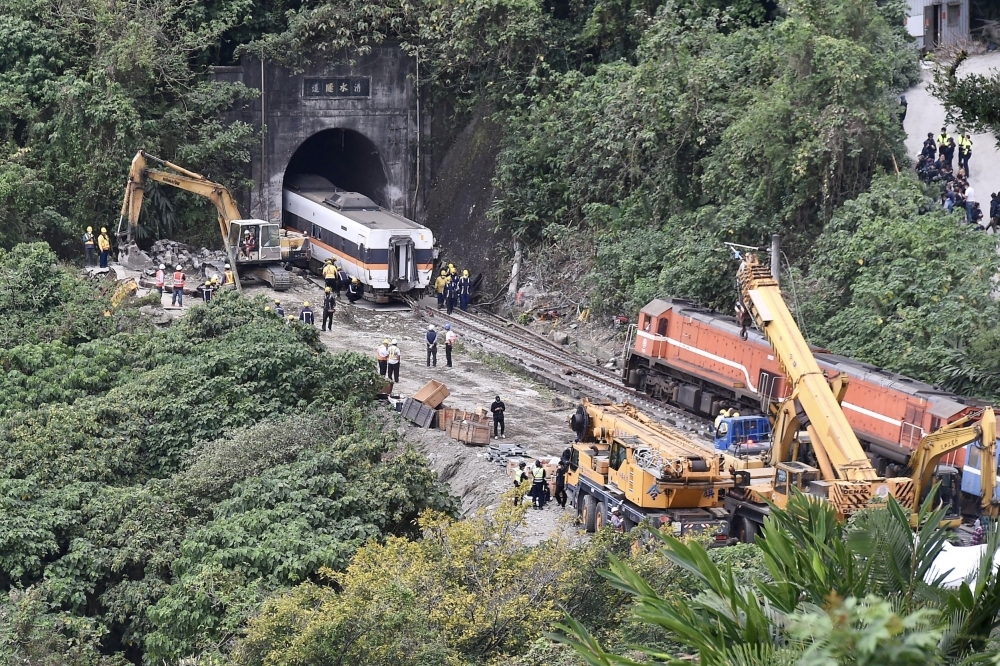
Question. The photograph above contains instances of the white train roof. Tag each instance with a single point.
(352, 205)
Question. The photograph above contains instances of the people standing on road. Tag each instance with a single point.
(394, 358)
(354, 290)
(452, 272)
(432, 346)
(976, 216)
(994, 223)
(561, 470)
(942, 139)
(464, 290)
(306, 314)
(964, 152)
(439, 285)
(449, 342)
(519, 478)
(330, 274)
(179, 279)
(616, 520)
(277, 308)
(970, 202)
(329, 306)
(949, 152)
(382, 353)
(161, 278)
(930, 148)
(104, 245)
(538, 485)
(88, 247)
(450, 294)
(498, 409)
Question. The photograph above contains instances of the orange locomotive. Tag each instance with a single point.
(696, 358)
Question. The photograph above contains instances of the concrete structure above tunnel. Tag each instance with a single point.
(356, 124)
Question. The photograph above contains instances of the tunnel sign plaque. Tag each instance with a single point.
(355, 86)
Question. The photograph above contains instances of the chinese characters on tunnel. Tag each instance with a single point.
(337, 87)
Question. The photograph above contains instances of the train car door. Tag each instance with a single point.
(402, 262)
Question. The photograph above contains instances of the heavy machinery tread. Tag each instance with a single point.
(589, 513)
(280, 279)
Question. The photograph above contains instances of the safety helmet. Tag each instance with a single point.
(465, 273)
(90, 228)
(267, 308)
(227, 266)
(431, 327)
(291, 317)
(329, 290)
(444, 272)
(329, 261)
(178, 267)
(447, 327)
(451, 266)
(277, 302)
(386, 341)
(393, 341)
(616, 510)
(162, 267)
(104, 230)
(306, 304)
(354, 280)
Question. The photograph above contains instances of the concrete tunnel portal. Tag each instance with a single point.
(346, 158)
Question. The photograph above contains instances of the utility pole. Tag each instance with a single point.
(776, 257)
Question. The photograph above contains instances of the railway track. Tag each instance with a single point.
(556, 367)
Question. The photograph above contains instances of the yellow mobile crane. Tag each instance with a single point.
(842, 473)
(254, 247)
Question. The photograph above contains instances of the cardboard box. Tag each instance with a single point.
(432, 394)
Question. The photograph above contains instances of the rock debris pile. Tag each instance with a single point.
(171, 253)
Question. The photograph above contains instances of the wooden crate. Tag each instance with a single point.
(468, 432)
(449, 414)
(432, 394)
(418, 413)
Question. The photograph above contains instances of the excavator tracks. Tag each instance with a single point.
(278, 278)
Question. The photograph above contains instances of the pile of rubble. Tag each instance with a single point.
(171, 253)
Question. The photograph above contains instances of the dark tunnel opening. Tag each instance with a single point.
(346, 158)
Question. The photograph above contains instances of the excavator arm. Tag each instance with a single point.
(954, 436)
(181, 178)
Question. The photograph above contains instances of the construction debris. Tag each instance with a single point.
(170, 253)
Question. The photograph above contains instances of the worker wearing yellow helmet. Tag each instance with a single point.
(306, 314)
(452, 271)
(354, 290)
(330, 274)
(89, 247)
(464, 290)
(329, 307)
(104, 245)
(277, 308)
(439, 285)
(382, 354)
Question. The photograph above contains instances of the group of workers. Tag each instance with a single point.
(451, 287)
(934, 165)
(91, 245)
(207, 288)
(336, 279)
(539, 492)
(725, 414)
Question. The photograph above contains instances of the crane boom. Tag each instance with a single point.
(845, 475)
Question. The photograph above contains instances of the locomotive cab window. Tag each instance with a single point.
(661, 326)
(646, 322)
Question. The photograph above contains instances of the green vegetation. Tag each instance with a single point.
(157, 485)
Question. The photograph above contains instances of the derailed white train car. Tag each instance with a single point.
(385, 251)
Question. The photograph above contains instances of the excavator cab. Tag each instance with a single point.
(798, 475)
(255, 241)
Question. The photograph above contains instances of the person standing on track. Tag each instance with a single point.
(498, 408)
(382, 353)
(449, 342)
(450, 294)
(432, 346)
(329, 307)
(464, 290)
(394, 358)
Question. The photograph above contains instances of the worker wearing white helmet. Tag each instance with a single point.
(393, 362)
(161, 278)
(432, 346)
(229, 278)
(179, 279)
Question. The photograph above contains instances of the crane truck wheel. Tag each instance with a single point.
(589, 513)
(748, 530)
(599, 516)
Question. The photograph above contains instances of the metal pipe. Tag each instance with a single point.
(776, 257)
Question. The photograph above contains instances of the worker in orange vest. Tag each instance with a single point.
(178, 297)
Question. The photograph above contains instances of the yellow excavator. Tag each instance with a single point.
(255, 247)
(829, 461)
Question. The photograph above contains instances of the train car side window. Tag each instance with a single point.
(646, 321)
(361, 253)
(316, 232)
(661, 326)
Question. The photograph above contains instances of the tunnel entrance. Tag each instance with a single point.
(346, 158)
